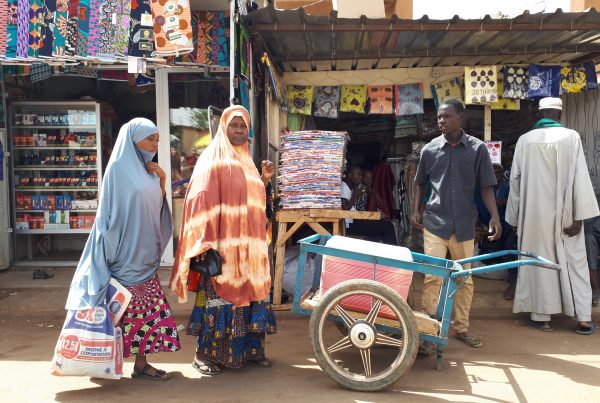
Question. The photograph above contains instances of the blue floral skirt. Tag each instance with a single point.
(229, 335)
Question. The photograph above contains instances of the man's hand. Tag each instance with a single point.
(267, 170)
(416, 220)
(574, 229)
(495, 229)
(358, 192)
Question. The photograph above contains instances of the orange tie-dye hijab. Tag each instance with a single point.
(224, 209)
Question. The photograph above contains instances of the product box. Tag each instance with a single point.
(27, 202)
(44, 202)
(40, 139)
(35, 202)
(59, 202)
(21, 225)
(67, 202)
(88, 222)
(51, 202)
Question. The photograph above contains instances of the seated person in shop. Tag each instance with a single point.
(508, 240)
(354, 197)
(373, 200)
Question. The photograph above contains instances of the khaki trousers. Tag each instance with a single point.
(439, 247)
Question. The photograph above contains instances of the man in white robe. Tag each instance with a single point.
(550, 195)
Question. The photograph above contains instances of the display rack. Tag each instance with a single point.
(56, 167)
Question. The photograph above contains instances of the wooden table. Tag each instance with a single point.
(313, 218)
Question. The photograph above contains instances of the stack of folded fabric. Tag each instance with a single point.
(311, 169)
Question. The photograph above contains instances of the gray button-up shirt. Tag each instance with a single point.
(455, 173)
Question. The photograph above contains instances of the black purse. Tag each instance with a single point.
(209, 266)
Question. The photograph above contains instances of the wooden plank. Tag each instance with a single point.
(281, 307)
(318, 228)
(336, 227)
(279, 264)
(291, 231)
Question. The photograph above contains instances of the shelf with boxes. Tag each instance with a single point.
(56, 166)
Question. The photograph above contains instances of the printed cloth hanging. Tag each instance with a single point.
(244, 50)
(94, 31)
(83, 12)
(122, 28)
(141, 39)
(381, 99)
(36, 17)
(327, 102)
(481, 84)
(446, 89)
(353, 98)
(72, 28)
(516, 82)
(3, 26)
(172, 27)
(276, 87)
(11, 29)
(573, 79)
(300, 99)
(39, 72)
(219, 39)
(211, 39)
(245, 101)
(591, 76)
(544, 81)
(61, 22)
(505, 103)
(22, 28)
(409, 99)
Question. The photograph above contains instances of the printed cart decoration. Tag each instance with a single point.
(447, 89)
(481, 84)
(353, 98)
(409, 99)
(544, 81)
(381, 99)
(300, 99)
(327, 102)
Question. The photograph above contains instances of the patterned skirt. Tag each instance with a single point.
(227, 334)
(148, 324)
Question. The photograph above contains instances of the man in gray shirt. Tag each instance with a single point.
(455, 164)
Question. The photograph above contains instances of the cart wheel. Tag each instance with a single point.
(349, 360)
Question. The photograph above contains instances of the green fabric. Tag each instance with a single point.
(544, 123)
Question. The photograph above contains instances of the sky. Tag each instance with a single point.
(443, 9)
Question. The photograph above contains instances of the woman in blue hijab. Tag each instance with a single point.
(131, 231)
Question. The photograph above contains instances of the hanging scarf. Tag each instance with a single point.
(224, 209)
(545, 123)
(133, 224)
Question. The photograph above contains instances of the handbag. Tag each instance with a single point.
(209, 266)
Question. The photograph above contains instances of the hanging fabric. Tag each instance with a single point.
(72, 28)
(327, 102)
(381, 99)
(409, 99)
(447, 89)
(591, 75)
(300, 99)
(4, 16)
(172, 27)
(353, 98)
(516, 82)
(23, 28)
(61, 22)
(544, 81)
(122, 28)
(244, 52)
(12, 29)
(573, 79)
(141, 38)
(481, 85)
(94, 32)
(39, 72)
(46, 42)
(83, 12)
(505, 103)
(36, 16)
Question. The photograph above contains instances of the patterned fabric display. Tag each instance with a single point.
(244, 50)
(108, 8)
(409, 99)
(327, 102)
(72, 28)
(353, 98)
(46, 43)
(121, 29)
(481, 84)
(39, 72)
(573, 79)
(300, 99)
(23, 28)
(11, 29)
(172, 27)
(381, 99)
(544, 81)
(590, 74)
(516, 82)
(219, 40)
(61, 23)
(3, 26)
(83, 12)
(141, 40)
(505, 103)
(94, 31)
(36, 17)
(446, 89)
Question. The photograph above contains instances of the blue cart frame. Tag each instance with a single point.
(452, 273)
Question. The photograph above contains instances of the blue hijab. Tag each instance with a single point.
(133, 222)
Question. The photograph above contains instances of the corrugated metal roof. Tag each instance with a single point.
(297, 41)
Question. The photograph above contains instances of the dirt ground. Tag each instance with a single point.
(516, 364)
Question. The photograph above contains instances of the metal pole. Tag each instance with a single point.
(232, 37)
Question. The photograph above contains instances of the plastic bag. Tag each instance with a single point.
(89, 345)
(118, 298)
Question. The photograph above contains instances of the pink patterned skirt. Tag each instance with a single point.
(148, 324)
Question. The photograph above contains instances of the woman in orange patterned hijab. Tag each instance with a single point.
(224, 209)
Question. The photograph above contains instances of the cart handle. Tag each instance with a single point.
(534, 260)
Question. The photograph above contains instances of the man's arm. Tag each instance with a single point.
(489, 199)
(416, 218)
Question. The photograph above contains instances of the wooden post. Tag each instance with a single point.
(487, 123)
(279, 263)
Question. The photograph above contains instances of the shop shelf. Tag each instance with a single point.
(54, 189)
(70, 211)
(74, 127)
(55, 148)
(51, 231)
(56, 168)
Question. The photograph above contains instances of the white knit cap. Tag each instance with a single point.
(550, 103)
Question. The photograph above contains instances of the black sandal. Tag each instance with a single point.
(264, 363)
(159, 374)
(205, 368)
